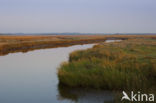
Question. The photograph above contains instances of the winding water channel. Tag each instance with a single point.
(32, 78)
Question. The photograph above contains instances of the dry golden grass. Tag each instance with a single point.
(30, 42)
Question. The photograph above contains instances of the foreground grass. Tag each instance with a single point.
(130, 64)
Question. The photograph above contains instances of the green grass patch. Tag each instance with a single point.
(130, 64)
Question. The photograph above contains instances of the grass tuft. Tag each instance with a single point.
(117, 66)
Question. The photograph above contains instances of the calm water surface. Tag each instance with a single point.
(32, 78)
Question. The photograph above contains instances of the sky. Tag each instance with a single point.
(83, 16)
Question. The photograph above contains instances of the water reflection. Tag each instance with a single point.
(32, 78)
(79, 95)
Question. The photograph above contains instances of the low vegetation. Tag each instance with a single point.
(130, 64)
(24, 43)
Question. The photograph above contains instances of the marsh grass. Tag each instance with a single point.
(24, 43)
(130, 64)
(10, 44)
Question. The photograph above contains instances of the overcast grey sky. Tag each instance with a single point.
(85, 16)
